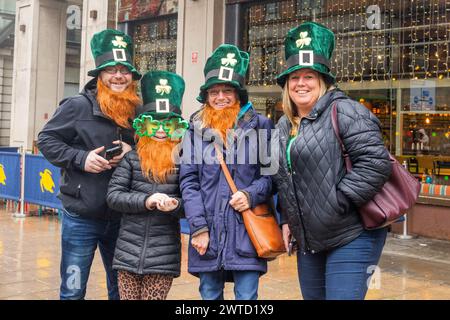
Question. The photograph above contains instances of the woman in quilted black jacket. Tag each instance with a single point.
(145, 189)
(318, 199)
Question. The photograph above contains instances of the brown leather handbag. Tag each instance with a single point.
(398, 194)
(260, 223)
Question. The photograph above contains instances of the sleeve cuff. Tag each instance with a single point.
(199, 231)
(249, 198)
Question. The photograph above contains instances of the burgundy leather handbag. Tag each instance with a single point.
(398, 194)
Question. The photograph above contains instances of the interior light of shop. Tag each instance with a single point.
(427, 120)
(441, 76)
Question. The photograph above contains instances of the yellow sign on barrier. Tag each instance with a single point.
(47, 183)
(2, 175)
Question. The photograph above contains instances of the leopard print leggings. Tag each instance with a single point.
(143, 287)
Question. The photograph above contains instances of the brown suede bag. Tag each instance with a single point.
(260, 223)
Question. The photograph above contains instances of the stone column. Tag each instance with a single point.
(97, 16)
(200, 31)
(39, 60)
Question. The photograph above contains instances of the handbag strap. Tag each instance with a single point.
(334, 121)
(225, 170)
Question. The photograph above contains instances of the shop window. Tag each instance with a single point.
(156, 44)
(382, 104)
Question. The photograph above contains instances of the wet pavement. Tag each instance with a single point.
(30, 250)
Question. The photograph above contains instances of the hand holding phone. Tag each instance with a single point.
(112, 152)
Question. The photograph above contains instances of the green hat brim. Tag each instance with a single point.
(159, 116)
(329, 78)
(242, 93)
(95, 72)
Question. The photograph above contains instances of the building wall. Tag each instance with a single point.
(39, 60)
(202, 31)
(6, 73)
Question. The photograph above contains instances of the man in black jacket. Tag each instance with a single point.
(87, 137)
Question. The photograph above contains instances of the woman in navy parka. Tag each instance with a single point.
(219, 247)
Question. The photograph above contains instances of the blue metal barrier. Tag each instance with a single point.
(10, 176)
(41, 182)
(9, 149)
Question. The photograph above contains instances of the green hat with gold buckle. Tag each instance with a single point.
(227, 65)
(112, 47)
(310, 45)
(162, 94)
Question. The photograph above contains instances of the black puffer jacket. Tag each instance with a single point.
(149, 240)
(77, 127)
(317, 197)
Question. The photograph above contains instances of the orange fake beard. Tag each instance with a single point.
(156, 158)
(221, 119)
(119, 106)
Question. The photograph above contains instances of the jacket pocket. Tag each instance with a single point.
(71, 189)
(244, 246)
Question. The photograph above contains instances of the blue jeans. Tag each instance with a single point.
(245, 284)
(79, 239)
(342, 273)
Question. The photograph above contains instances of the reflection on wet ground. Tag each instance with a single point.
(30, 252)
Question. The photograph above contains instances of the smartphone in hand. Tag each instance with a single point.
(112, 152)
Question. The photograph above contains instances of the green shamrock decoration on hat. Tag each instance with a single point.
(227, 65)
(310, 45)
(112, 47)
(162, 94)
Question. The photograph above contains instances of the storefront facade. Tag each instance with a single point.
(393, 57)
(153, 27)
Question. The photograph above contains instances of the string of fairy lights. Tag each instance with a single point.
(155, 44)
(409, 41)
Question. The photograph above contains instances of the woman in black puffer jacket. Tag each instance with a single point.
(318, 199)
(145, 188)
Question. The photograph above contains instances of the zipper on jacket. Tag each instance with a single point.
(144, 247)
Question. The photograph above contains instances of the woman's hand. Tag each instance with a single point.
(156, 199)
(167, 205)
(286, 235)
(239, 201)
(200, 242)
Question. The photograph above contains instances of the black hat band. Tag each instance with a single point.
(234, 76)
(294, 60)
(114, 56)
(157, 107)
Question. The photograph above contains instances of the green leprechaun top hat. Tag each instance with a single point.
(162, 93)
(111, 47)
(227, 65)
(310, 45)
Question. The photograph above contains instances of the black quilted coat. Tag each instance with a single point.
(149, 240)
(317, 197)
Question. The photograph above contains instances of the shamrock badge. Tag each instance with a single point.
(119, 42)
(163, 87)
(304, 40)
(229, 60)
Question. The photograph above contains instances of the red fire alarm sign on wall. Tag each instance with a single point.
(194, 57)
